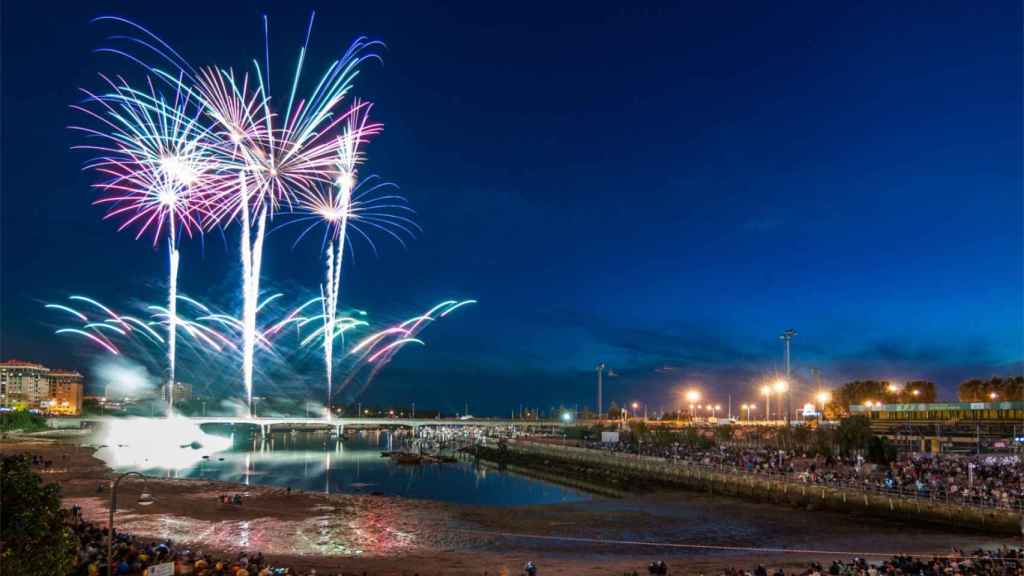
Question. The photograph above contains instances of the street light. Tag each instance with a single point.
(786, 337)
(767, 391)
(993, 395)
(145, 499)
(692, 396)
(781, 387)
(915, 392)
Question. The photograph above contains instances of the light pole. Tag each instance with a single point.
(692, 396)
(145, 499)
(600, 373)
(767, 391)
(782, 388)
(823, 397)
(786, 337)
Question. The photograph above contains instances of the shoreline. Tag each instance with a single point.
(394, 535)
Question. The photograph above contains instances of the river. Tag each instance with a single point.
(353, 464)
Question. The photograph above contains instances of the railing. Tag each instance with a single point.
(670, 466)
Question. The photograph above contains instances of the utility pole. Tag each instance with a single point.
(786, 337)
(414, 410)
(600, 373)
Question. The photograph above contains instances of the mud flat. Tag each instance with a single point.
(693, 533)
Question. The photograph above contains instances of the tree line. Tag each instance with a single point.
(882, 391)
(994, 389)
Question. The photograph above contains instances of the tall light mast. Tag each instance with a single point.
(786, 337)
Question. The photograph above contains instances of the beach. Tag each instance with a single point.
(358, 533)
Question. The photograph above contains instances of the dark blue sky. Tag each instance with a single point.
(665, 189)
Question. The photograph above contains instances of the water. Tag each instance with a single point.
(316, 461)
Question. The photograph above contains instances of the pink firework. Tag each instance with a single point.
(156, 161)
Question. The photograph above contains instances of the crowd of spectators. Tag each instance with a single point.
(134, 556)
(989, 480)
(998, 562)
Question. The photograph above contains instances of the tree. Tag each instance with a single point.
(854, 433)
(1005, 389)
(880, 451)
(926, 392)
(614, 412)
(32, 531)
(21, 420)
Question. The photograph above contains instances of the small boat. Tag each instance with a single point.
(406, 458)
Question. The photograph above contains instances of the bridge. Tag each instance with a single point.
(267, 424)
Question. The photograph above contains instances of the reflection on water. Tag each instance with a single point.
(317, 461)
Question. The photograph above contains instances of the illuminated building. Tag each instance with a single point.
(182, 392)
(66, 391)
(23, 384)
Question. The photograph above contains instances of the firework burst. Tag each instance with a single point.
(155, 161)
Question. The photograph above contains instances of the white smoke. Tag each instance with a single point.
(120, 377)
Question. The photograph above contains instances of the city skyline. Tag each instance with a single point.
(671, 236)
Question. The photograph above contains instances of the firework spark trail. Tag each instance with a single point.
(128, 326)
(279, 161)
(104, 343)
(276, 157)
(357, 130)
(153, 159)
(377, 349)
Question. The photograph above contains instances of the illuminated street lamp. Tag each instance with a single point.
(786, 337)
(145, 499)
(993, 395)
(869, 403)
(692, 396)
(767, 391)
(915, 392)
(781, 387)
(823, 397)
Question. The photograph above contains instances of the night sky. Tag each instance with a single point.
(664, 189)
